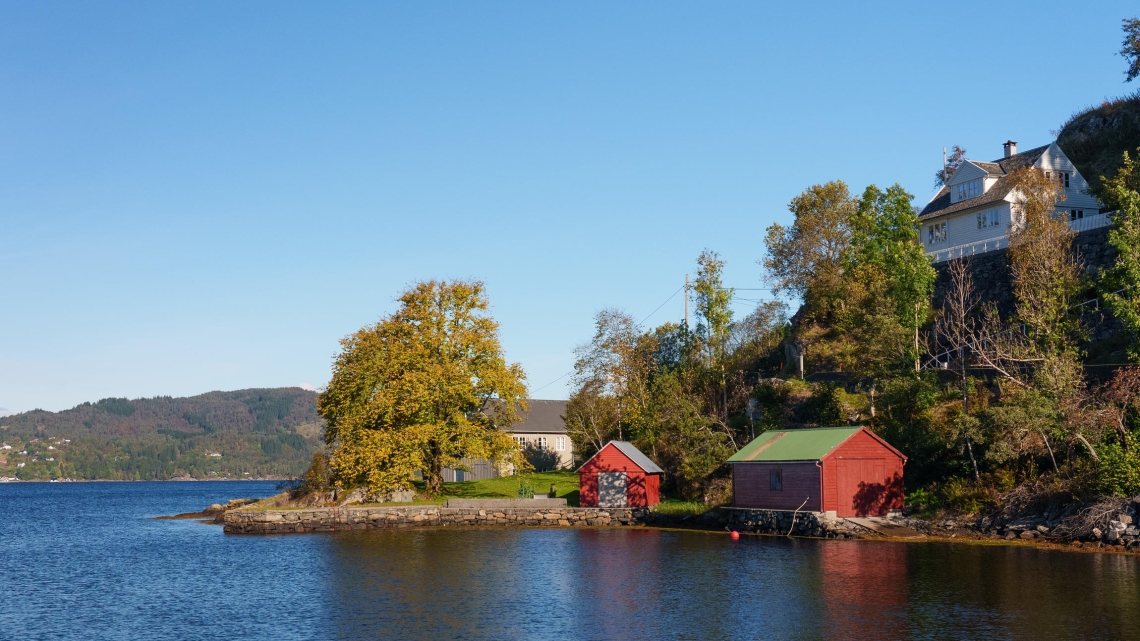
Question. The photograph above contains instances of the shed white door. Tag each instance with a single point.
(611, 489)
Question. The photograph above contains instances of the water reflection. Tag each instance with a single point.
(647, 584)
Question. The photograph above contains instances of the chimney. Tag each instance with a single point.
(1010, 148)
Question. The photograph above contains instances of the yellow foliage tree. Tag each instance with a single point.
(421, 390)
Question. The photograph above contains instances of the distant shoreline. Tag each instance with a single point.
(149, 480)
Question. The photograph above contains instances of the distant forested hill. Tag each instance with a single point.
(254, 433)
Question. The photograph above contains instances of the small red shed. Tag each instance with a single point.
(619, 475)
(847, 470)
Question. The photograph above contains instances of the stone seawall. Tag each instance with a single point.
(786, 522)
(328, 519)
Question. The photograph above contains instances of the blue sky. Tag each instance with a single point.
(204, 196)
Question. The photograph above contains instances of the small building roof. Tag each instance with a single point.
(632, 453)
(794, 445)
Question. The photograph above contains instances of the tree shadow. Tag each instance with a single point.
(543, 459)
(876, 499)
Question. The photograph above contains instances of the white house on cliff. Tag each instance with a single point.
(971, 214)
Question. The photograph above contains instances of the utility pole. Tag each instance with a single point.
(686, 301)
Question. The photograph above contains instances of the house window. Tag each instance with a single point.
(775, 480)
(987, 218)
(968, 189)
(542, 442)
(936, 233)
(560, 443)
(1075, 214)
(521, 440)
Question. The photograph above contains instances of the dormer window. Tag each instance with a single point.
(967, 190)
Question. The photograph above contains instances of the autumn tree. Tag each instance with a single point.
(1130, 48)
(956, 158)
(1046, 277)
(806, 259)
(422, 389)
(1120, 284)
(608, 366)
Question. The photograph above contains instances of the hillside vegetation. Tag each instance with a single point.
(1095, 139)
(248, 433)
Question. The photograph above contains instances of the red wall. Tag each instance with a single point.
(751, 486)
(642, 490)
(862, 477)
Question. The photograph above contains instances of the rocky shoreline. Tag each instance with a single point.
(1120, 533)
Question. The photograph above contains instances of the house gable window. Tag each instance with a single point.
(776, 480)
(1062, 177)
(936, 233)
(967, 190)
(988, 218)
(1076, 214)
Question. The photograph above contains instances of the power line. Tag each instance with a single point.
(674, 294)
(660, 306)
(552, 382)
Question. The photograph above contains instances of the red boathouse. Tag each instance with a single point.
(619, 475)
(847, 470)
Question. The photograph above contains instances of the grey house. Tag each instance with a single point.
(542, 436)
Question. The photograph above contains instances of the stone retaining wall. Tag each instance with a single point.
(815, 524)
(251, 521)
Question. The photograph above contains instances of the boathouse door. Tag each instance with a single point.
(612, 489)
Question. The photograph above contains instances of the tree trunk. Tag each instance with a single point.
(1050, 448)
(973, 461)
(1081, 438)
(435, 470)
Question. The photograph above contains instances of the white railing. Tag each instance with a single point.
(1091, 221)
(969, 249)
(940, 255)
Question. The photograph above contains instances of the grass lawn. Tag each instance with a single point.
(674, 507)
(506, 487)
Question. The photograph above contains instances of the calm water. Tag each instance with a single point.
(83, 561)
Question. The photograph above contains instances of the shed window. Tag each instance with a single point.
(776, 480)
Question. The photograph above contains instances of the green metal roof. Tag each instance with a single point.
(793, 445)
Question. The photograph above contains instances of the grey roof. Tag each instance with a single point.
(941, 204)
(541, 417)
(637, 457)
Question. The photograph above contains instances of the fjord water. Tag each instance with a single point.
(86, 561)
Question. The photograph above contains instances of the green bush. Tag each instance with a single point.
(1119, 473)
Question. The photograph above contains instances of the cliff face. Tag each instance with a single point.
(1096, 138)
(993, 280)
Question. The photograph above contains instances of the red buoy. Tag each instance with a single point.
(735, 536)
